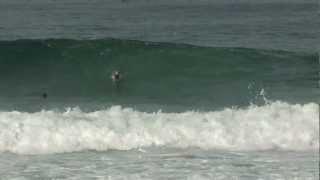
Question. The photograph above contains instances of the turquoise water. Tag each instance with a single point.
(161, 74)
(211, 89)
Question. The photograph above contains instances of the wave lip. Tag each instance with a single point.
(277, 126)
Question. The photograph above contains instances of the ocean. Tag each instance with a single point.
(210, 89)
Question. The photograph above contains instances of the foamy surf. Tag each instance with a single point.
(277, 125)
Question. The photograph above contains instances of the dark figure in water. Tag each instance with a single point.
(116, 76)
(44, 95)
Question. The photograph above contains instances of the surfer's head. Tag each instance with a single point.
(116, 76)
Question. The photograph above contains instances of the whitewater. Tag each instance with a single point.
(274, 126)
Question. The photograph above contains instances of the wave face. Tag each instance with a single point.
(160, 73)
(277, 126)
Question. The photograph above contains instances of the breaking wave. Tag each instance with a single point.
(276, 125)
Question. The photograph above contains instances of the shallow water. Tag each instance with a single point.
(159, 163)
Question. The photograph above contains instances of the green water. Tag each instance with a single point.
(154, 73)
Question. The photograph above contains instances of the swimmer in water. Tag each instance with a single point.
(116, 76)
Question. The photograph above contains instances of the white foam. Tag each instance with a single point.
(277, 125)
